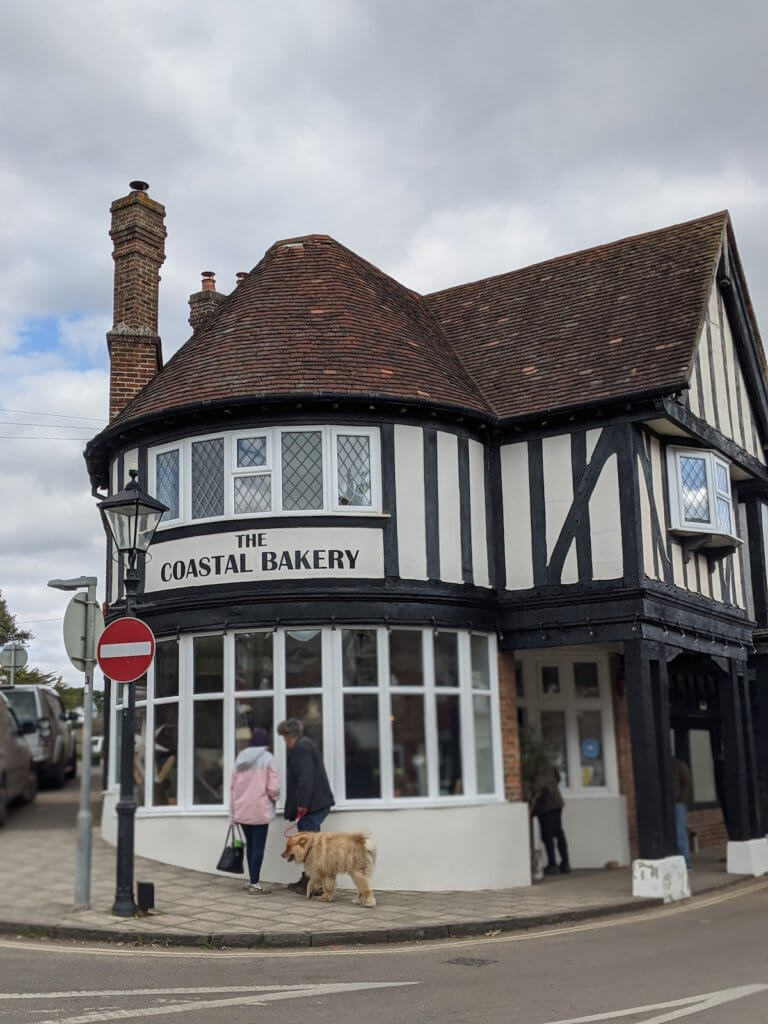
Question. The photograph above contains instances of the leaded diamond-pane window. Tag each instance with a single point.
(167, 482)
(353, 453)
(723, 515)
(253, 493)
(208, 478)
(693, 484)
(251, 451)
(721, 478)
(302, 452)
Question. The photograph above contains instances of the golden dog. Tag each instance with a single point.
(324, 855)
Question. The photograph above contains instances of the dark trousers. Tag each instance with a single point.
(311, 822)
(255, 843)
(551, 828)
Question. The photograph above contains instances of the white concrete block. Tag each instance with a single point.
(749, 857)
(665, 879)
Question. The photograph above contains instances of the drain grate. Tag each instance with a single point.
(468, 961)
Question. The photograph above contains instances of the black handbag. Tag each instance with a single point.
(231, 858)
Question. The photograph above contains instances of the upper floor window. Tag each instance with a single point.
(270, 471)
(701, 499)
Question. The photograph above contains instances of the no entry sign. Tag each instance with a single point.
(125, 650)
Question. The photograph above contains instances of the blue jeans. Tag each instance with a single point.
(681, 828)
(312, 822)
(255, 842)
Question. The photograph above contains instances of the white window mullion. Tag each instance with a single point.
(385, 715)
(498, 754)
(430, 714)
(186, 722)
(278, 683)
(229, 713)
(466, 717)
(333, 711)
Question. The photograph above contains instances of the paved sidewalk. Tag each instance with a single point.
(200, 909)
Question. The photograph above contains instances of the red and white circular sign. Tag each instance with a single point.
(125, 650)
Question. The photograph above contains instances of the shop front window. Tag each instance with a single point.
(410, 713)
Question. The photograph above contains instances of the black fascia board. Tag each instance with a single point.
(712, 438)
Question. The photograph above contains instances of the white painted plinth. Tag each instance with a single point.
(665, 879)
(749, 857)
(462, 847)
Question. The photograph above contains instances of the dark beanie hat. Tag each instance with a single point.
(259, 738)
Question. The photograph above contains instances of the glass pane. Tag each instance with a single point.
(723, 515)
(208, 672)
(591, 748)
(208, 478)
(139, 754)
(167, 669)
(481, 675)
(405, 666)
(353, 453)
(252, 713)
(303, 658)
(550, 679)
(721, 478)
(140, 688)
(23, 703)
(253, 493)
(361, 746)
(409, 758)
(449, 745)
(302, 470)
(553, 739)
(253, 661)
(166, 767)
(693, 486)
(251, 451)
(702, 766)
(359, 662)
(208, 742)
(585, 679)
(167, 482)
(308, 708)
(481, 709)
(446, 659)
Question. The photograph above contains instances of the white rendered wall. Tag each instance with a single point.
(596, 830)
(432, 849)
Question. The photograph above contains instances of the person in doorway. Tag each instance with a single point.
(548, 806)
(683, 801)
(308, 799)
(253, 792)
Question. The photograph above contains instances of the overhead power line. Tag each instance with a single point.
(58, 426)
(54, 415)
(30, 437)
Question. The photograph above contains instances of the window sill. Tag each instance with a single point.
(404, 803)
(715, 546)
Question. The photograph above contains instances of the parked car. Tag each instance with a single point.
(47, 728)
(18, 778)
(97, 749)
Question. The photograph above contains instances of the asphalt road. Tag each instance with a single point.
(678, 956)
(56, 808)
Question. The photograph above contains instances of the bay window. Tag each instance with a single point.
(700, 495)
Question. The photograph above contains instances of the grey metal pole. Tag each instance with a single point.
(84, 817)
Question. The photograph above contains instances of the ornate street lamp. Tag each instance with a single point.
(131, 517)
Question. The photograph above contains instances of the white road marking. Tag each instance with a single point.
(194, 1006)
(683, 907)
(127, 650)
(111, 992)
(687, 1006)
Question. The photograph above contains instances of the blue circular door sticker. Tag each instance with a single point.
(590, 749)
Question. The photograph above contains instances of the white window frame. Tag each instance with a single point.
(234, 471)
(332, 694)
(534, 702)
(373, 435)
(175, 446)
(711, 460)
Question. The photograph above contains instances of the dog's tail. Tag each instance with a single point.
(370, 849)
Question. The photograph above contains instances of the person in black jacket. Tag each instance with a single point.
(308, 800)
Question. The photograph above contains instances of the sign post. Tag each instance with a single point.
(13, 656)
(83, 622)
(125, 652)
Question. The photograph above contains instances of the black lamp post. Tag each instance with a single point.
(131, 516)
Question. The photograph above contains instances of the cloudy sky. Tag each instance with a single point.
(442, 140)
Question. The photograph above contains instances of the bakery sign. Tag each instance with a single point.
(265, 555)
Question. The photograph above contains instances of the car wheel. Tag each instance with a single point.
(3, 801)
(29, 792)
(72, 768)
(57, 776)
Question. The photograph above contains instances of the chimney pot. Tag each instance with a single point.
(209, 280)
(240, 276)
(139, 186)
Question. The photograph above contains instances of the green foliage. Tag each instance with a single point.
(34, 677)
(532, 753)
(71, 696)
(8, 629)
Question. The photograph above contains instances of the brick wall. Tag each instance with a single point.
(510, 740)
(138, 238)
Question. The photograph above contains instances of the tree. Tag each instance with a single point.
(8, 629)
(33, 676)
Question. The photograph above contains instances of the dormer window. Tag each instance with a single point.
(700, 496)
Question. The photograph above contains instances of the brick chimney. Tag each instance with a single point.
(138, 239)
(203, 304)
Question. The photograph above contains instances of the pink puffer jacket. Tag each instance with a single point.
(254, 787)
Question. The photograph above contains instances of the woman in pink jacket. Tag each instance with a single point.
(253, 792)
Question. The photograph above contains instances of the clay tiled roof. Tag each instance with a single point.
(616, 320)
(313, 318)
